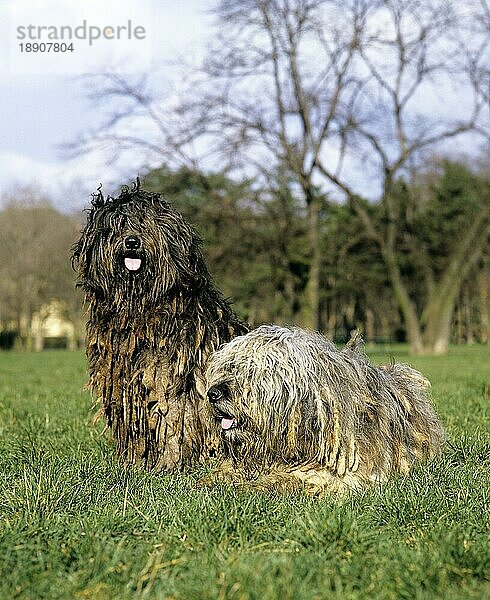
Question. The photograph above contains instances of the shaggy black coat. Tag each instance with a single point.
(154, 317)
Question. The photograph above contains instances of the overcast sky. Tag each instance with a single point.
(43, 100)
(43, 96)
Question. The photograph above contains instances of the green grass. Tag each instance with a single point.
(73, 524)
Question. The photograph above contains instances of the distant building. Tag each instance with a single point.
(50, 329)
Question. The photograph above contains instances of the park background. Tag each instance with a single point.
(333, 155)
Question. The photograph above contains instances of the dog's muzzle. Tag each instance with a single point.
(217, 398)
(132, 257)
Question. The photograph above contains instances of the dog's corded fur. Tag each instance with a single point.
(154, 316)
(293, 411)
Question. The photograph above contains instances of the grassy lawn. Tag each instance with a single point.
(73, 524)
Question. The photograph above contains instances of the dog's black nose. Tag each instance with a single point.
(132, 242)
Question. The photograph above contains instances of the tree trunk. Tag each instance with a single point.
(409, 314)
(312, 313)
(39, 338)
(458, 323)
(438, 313)
(331, 319)
(484, 301)
(436, 319)
(370, 328)
(468, 320)
(438, 330)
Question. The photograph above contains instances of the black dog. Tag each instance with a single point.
(154, 317)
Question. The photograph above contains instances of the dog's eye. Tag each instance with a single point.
(215, 394)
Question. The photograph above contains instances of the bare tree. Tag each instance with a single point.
(386, 125)
(349, 96)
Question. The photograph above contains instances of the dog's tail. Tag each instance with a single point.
(410, 390)
(355, 342)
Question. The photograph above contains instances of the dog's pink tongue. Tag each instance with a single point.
(227, 423)
(132, 264)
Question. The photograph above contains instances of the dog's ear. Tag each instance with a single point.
(198, 275)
